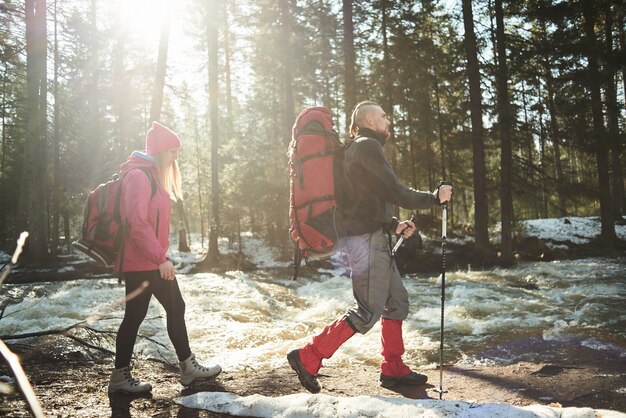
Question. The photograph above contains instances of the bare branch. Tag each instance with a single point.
(22, 380)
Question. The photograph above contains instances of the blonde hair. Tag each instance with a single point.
(360, 110)
(169, 176)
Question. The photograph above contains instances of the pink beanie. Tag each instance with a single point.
(159, 139)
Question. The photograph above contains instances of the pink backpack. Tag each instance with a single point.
(103, 229)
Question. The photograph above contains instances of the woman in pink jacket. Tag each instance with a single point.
(145, 210)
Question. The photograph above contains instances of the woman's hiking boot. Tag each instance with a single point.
(393, 371)
(190, 370)
(307, 361)
(122, 380)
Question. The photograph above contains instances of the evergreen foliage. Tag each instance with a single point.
(277, 57)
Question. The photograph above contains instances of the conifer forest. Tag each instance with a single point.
(519, 104)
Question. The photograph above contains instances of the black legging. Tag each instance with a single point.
(168, 294)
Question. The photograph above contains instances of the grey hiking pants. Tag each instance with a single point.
(376, 282)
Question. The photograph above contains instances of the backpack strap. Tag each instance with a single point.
(148, 172)
(118, 197)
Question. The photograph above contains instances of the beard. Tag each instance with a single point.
(385, 133)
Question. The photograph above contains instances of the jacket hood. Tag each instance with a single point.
(139, 159)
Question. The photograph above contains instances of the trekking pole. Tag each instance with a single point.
(444, 220)
(401, 239)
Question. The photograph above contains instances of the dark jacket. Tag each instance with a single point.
(372, 188)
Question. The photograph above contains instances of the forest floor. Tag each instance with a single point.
(71, 385)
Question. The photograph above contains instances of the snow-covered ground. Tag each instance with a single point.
(256, 250)
(303, 405)
(571, 229)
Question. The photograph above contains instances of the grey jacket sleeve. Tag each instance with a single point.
(374, 168)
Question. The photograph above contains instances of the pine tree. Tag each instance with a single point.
(481, 212)
(33, 186)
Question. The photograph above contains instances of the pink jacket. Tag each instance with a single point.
(147, 217)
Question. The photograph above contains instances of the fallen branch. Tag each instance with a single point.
(66, 333)
(85, 343)
(22, 380)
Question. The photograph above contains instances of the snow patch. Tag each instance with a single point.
(303, 405)
(577, 230)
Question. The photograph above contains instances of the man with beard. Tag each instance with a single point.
(371, 190)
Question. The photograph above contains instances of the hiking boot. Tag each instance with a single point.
(411, 379)
(190, 370)
(307, 380)
(123, 381)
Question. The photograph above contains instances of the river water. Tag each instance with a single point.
(253, 319)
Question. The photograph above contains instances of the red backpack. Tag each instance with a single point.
(315, 168)
(103, 229)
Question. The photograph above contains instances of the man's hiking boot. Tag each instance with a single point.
(393, 371)
(123, 381)
(307, 380)
(411, 379)
(190, 370)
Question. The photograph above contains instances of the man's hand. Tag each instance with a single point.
(167, 271)
(444, 193)
(405, 228)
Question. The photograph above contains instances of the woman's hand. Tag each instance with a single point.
(167, 271)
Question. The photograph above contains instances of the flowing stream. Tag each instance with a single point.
(253, 319)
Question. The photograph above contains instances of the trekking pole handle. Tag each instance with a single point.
(442, 183)
(401, 239)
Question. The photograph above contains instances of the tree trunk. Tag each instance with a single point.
(183, 244)
(545, 195)
(622, 43)
(122, 106)
(506, 159)
(617, 179)
(390, 149)
(199, 185)
(56, 178)
(607, 233)
(66, 229)
(33, 185)
(159, 79)
(287, 76)
(239, 243)
(228, 71)
(412, 148)
(554, 133)
(288, 114)
(3, 157)
(440, 131)
(481, 212)
(96, 145)
(349, 61)
(212, 31)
